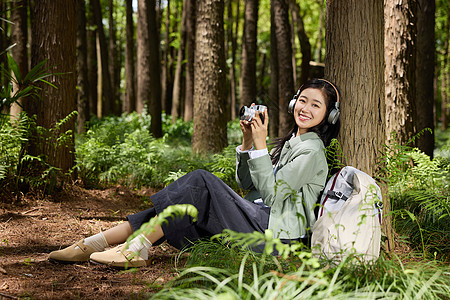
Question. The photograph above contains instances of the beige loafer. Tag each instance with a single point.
(77, 252)
(119, 258)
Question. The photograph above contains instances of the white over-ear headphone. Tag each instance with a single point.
(334, 115)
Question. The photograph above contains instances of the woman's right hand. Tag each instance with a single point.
(247, 140)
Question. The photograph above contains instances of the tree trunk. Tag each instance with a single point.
(319, 35)
(190, 44)
(274, 110)
(143, 56)
(155, 75)
(92, 62)
(444, 76)
(399, 72)
(349, 41)
(232, 36)
(424, 74)
(114, 60)
(54, 33)
(178, 80)
(248, 69)
(129, 103)
(210, 128)
(82, 71)
(19, 36)
(107, 91)
(284, 54)
(305, 45)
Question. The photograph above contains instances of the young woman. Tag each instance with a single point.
(283, 185)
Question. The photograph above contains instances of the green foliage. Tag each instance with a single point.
(420, 198)
(122, 150)
(225, 268)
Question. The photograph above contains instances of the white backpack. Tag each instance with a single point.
(349, 219)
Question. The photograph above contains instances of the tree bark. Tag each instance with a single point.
(284, 54)
(114, 60)
(82, 71)
(305, 45)
(107, 91)
(210, 128)
(19, 36)
(247, 85)
(92, 62)
(274, 110)
(129, 103)
(359, 38)
(424, 74)
(179, 70)
(232, 36)
(399, 72)
(190, 45)
(54, 33)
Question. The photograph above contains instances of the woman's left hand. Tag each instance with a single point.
(259, 130)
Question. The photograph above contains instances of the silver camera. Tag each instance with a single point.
(248, 113)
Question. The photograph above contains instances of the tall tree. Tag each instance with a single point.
(424, 73)
(82, 71)
(107, 91)
(400, 65)
(249, 52)
(148, 65)
(92, 63)
(305, 45)
(129, 103)
(190, 45)
(54, 33)
(358, 38)
(166, 73)
(232, 39)
(284, 55)
(274, 110)
(19, 37)
(178, 80)
(210, 128)
(114, 59)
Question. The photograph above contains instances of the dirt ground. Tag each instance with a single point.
(30, 231)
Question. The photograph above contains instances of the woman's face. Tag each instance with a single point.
(309, 110)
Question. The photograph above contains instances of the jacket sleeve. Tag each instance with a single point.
(298, 172)
(243, 176)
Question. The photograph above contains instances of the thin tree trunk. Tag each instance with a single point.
(232, 36)
(424, 74)
(445, 78)
(190, 68)
(19, 36)
(114, 60)
(305, 45)
(129, 103)
(155, 75)
(274, 110)
(107, 91)
(320, 30)
(165, 66)
(284, 52)
(178, 80)
(92, 62)
(82, 75)
(248, 70)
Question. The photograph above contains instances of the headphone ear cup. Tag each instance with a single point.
(291, 106)
(334, 115)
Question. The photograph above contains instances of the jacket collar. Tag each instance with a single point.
(303, 137)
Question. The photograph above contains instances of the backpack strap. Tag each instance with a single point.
(329, 191)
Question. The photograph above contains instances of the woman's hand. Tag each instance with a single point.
(259, 130)
(247, 140)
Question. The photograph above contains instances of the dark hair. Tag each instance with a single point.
(324, 129)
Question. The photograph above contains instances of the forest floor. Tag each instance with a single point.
(39, 225)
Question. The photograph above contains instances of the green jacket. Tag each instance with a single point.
(293, 190)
